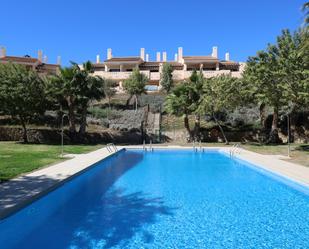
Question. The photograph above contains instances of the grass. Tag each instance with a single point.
(171, 122)
(299, 153)
(17, 158)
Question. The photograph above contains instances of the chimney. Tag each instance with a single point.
(2, 52)
(40, 55)
(158, 56)
(45, 59)
(164, 56)
(214, 52)
(176, 57)
(109, 53)
(180, 54)
(98, 59)
(142, 54)
(58, 60)
(147, 57)
(227, 56)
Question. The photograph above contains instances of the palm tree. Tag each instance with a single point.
(63, 87)
(77, 87)
(89, 88)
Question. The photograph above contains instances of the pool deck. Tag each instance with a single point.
(22, 190)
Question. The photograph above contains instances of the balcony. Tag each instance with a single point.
(154, 76)
(178, 75)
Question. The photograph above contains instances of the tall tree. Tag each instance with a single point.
(180, 102)
(135, 85)
(166, 80)
(305, 9)
(64, 88)
(196, 80)
(89, 88)
(109, 90)
(279, 77)
(304, 32)
(22, 94)
(220, 94)
(77, 88)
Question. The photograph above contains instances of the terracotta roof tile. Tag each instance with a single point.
(200, 58)
(229, 63)
(124, 59)
(19, 59)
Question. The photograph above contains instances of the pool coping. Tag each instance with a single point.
(271, 163)
(21, 191)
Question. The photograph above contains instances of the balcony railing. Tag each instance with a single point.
(155, 76)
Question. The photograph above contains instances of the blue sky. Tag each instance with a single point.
(79, 30)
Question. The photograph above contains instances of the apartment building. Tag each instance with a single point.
(120, 68)
(38, 64)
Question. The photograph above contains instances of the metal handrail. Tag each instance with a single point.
(110, 147)
(194, 146)
(201, 148)
(150, 145)
(236, 148)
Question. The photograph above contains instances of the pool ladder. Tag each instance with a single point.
(235, 149)
(111, 147)
(199, 147)
(150, 146)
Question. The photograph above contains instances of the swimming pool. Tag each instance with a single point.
(164, 199)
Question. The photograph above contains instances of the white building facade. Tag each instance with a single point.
(120, 68)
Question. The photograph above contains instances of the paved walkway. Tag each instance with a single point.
(20, 191)
(24, 189)
(273, 163)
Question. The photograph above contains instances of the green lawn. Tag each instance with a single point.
(17, 158)
(299, 153)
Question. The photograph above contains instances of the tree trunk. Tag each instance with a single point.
(274, 125)
(128, 100)
(71, 115)
(197, 126)
(187, 127)
(221, 129)
(292, 115)
(136, 102)
(25, 133)
(109, 103)
(274, 135)
(83, 123)
(263, 115)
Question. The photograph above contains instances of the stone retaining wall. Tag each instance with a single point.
(47, 136)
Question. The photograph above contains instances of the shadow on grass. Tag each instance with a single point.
(304, 147)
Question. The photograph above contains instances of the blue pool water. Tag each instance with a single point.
(164, 199)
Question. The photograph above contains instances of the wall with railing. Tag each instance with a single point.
(178, 75)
